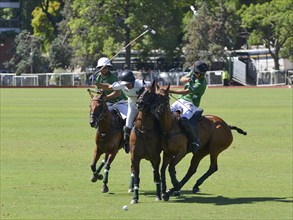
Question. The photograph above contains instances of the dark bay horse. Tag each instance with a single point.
(109, 136)
(215, 136)
(145, 142)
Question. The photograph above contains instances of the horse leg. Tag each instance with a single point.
(166, 160)
(157, 180)
(131, 184)
(172, 171)
(135, 165)
(95, 171)
(110, 159)
(195, 160)
(213, 168)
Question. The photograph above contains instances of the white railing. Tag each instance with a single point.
(239, 71)
(271, 78)
(214, 78)
(44, 79)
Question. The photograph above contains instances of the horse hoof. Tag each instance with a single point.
(176, 193)
(166, 197)
(195, 190)
(130, 190)
(105, 190)
(100, 176)
(94, 179)
(134, 201)
(158, 199)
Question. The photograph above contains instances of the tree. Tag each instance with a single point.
(27, 57)
(207, 34)
(104, 27)
(27, 7)
(60, 54)
(271, 25)
(45, 19)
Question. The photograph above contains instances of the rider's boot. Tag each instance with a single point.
(126, 138)
(192, 134)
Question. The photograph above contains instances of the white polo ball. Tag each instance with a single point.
(125, 207)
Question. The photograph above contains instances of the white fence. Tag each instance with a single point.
(83, 79)
(214, 78)
(44, 79)
(269, 78)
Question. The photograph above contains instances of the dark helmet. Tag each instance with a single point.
(200, 67)
(127, 76)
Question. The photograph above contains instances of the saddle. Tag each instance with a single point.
(117, 115)
(197, 116)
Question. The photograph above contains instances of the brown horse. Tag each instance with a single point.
(215, 136)
(145, 142)
(109, 136)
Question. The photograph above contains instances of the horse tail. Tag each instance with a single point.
(239, 130)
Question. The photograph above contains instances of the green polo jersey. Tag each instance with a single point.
(110, 78)
(196, 91)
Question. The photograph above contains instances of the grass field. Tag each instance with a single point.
(47, 146)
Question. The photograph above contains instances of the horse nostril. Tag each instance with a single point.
(93, 124)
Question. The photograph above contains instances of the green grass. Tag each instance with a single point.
(47, 146)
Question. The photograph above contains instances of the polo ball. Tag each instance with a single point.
(125, 207)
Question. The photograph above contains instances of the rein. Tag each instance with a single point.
(177, 100)
(100, 115)
(144, 107)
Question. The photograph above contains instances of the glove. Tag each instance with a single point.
(192, 78)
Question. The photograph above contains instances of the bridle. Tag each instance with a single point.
(99, 111)
(163, 101)
(146, 101)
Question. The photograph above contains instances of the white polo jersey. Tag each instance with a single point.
(130, 93)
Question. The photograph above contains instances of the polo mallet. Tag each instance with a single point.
(193, 10)
(131, 42)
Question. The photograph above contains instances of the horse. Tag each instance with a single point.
(109, 136)
(214, 133)
(145, 142)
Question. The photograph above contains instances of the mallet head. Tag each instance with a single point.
(193, 10)
(149, 29)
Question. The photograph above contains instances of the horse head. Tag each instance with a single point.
(146, 98)
(162, 99)
(98, 108)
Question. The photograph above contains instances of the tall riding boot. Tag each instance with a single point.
(126, 138)
(191, 131)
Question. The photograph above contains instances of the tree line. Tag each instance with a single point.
(59, 34)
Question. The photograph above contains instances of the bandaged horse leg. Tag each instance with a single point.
(136, 190)
(157, 180)
(105, 180)
(135, 165)
(131, 184)
(173, 177)
(96, 172)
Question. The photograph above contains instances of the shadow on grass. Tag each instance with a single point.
(189, 197)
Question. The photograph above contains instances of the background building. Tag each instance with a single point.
(9, 26)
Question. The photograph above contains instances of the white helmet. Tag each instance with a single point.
(103, 61)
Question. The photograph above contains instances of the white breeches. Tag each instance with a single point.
(131, 114)
(186, 108)
(120, 105)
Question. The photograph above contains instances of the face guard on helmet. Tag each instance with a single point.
(200, 67)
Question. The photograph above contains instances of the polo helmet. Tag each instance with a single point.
(103, 61)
